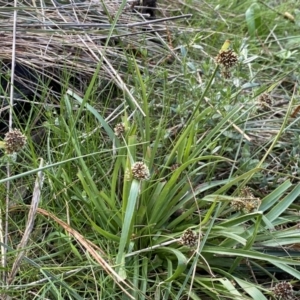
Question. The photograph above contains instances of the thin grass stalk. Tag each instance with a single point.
(10, 125)
(13, 61)
(34, 171)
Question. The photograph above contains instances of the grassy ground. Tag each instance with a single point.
(180, 184)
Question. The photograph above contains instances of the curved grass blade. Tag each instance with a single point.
(181, 265)
(282, 205)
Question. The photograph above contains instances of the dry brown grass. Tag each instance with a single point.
(74, 38)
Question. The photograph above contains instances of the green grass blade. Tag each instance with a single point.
(250, 289)
(274, 196)
(101, 120)
(181, 262)
(127, 226)
(283, 204)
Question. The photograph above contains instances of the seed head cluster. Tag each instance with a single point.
(246, 192)
(189, 238)
(174, 167)
(246, 202)
(283, 291)
(226, 59)
(226, 73)
(265, 101)
(140, 171)
(14, 141)
(119, 129)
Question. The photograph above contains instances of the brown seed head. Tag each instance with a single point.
(174, 167)
(140, 171)
(246, 192)
(227, 59)
(265, 101)
(226, 74)
(246, 202)
(189, 238)
(237, 204)
(283, 291)
(251, 205)
(119, 129)
(14, 141)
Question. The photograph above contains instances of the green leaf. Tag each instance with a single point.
(127, 226)
(145, 270)
(285, 54)
(253, 19)
(283, 204)
(250, 242)
(288, 269)
(240, 220)
(250, 289)
(229, 286)
(220, 251)
(91, 109)
(181, 265)
(272, 198)
(106, 234)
